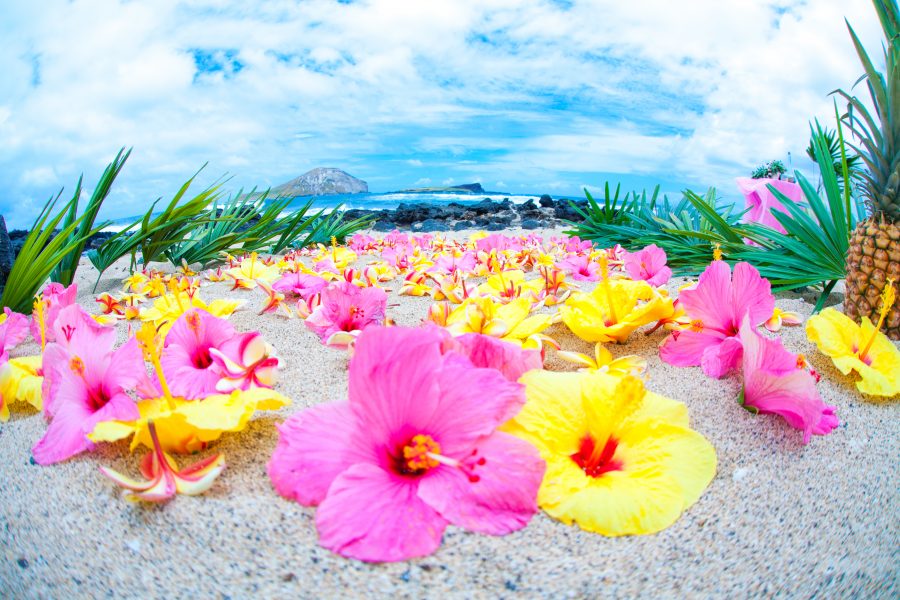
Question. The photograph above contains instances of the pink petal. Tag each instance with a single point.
(65, 437)
(373, 516)
(709, 301)
(502, 500)
(472, 403)
(718, 360)
(685, 348)
(314, 447)
(489, 352)
(393, 387)
(751, 294)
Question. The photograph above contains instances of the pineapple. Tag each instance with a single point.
(873, 257)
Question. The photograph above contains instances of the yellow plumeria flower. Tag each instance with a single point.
(861, 348)
(20, 381)
(782, 317)
(510, 322)
(620, 460)
(252, 268)
(509, 285)
(604, 361)
(134, 282)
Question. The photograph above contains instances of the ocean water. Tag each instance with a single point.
(381, 201)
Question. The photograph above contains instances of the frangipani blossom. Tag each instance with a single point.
(187, 359)
(20, 381)
(604, 361)
(648, 264)
(775, 381)
(253, 269)
(507, 286)
(413, 450)
(614, 309)
(620, 460)
(164, 479)
(168, 308)
(717, 307)
(347, 308)
(782, 317)
(303, 285)
(245, 361)
(89, 386)
(861, 348)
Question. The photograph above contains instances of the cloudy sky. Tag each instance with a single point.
(525, 96)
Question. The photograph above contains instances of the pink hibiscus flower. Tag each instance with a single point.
(581, 267)
(88, 383)
(303, 285)
(414, 449)
(450, 263)
(716, 308)
(775, 381)
(348, 308)
(489, 352)
(56, 297)
(648, 264)
(187, 362)
(13, 332)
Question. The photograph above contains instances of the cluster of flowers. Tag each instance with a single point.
(205, 379)
(454, 422)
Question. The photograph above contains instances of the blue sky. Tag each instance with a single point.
(531, 96)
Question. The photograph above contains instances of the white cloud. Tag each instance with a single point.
(523, 91)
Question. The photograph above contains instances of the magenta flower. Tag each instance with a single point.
(414, 449)
(776, 381)
(488, 352)
(347, 308)
(13, 331)
(245, 361)
(581, 267)
(88, 382)
(451, 263)
(648, 264)
(56, 297)
(497, 241)
(303, 285)
(716, 308)
(187, 362)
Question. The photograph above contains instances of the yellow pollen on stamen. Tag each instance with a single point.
(801, 361)
(77, 366)
(193, 321)
(39, 313)
(717, 251)
(696, 325)
(888, 297)
(416, 453)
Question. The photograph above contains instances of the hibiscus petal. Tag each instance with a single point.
(751, 294)
(504, 497)
(708, 301)
(685, 348)
(314, 447)
(65, 437)
(721, 358)
(373, 516)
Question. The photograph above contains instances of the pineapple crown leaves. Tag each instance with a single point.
(879, 141)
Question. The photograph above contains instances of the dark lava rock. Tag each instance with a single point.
(6, 253)
(430, 225)
(454, 210)
(384, 225)
(494, 226)
(406, 214)
(532, 224)
(526, 206)
(546, 201)
(564, 210)
(484, 207)
(459, 225)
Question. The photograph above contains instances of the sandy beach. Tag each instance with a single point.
(780, 518)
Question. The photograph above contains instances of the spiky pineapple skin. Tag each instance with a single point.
(873, 257)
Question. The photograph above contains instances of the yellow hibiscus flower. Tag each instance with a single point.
(620, 460)
(20, 381)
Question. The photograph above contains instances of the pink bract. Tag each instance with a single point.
(648, 264)
(346, 307)
(716, 308)
(187, 362)
(774, 383)
(381, 496)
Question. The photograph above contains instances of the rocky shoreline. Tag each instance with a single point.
(487, 214)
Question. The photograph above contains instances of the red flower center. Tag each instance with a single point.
(595, 461)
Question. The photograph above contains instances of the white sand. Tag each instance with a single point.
(779, 518)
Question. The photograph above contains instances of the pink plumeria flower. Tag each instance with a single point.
(782, 317)
(648, 264)
(776, 381)
(415, 448)
(300, 284)
(274, 301)
(346, 307)
(716, 308)
(246, 361)
(89, 383)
